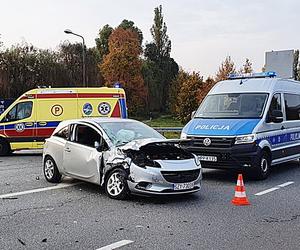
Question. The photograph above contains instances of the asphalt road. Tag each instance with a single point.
(83, 217)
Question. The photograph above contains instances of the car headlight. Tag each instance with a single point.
(183, 135)
(245, 139)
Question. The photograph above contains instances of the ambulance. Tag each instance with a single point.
(32, 118)
(248, 122)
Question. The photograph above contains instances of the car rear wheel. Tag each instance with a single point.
(263, 166)
(116, 185)
(4, 147)
(51, 172)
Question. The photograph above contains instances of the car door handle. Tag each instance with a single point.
(68, 150)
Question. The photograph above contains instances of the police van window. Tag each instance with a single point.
(275, 103)
(85, 135)
(292, 106)
(20, 111)
(63, 133)
(237, 105)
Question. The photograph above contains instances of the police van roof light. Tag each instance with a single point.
(252, 75)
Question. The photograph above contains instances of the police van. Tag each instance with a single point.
(32, 118)
(248, 122)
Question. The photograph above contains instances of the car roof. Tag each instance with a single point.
(99, 120)
(255, 85)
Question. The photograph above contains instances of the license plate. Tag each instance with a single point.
(183, 186)
(207, 158)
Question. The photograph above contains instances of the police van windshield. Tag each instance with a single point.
(239, 105)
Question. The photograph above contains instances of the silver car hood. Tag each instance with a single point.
(138, 144)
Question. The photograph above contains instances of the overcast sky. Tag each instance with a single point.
(203, 32)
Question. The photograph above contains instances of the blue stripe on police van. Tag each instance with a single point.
(281, 139)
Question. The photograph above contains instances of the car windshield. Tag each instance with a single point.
(121, 133)
(250, 105)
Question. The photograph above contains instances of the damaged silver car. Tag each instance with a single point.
(122, 155)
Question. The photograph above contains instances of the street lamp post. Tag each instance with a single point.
(67, 31)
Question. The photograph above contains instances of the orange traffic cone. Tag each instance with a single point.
(240, 198)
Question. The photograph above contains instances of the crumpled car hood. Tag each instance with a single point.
(140, 143)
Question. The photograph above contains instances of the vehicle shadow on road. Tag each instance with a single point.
(141, 199)
(230, 176)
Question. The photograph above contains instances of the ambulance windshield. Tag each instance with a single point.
(239, 105)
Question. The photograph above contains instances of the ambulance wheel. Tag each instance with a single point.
(4, 147)
(50, 170)
(262, 168)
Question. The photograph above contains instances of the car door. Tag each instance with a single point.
(81, 159)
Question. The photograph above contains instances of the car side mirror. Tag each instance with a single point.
(100, 146)
(276, 116)
(193, 114)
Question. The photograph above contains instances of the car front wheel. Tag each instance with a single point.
(116, 185)
(51, 172)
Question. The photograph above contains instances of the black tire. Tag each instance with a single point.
(116, 184)
(4, 147)
(50, 170)
(263, 166)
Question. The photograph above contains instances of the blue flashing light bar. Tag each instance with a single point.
(117, 85)
(252, 75)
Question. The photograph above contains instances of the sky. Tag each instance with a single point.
(203, 32)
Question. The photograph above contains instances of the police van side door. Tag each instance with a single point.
(292, 124)
(274, 127)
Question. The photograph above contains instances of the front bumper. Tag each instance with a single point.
(243, 156)
(150, 181)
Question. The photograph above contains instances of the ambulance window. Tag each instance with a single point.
(63, 133)
(20, 111)
(292, 106)
(87, 136)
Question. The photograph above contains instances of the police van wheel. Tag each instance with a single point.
(263, 166)
(50, 170)
(4, 147)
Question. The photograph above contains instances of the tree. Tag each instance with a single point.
(159, 65)
(227, 67)
(247, 67)
(159, 33)
(102, 40)
(188, 92)
(126, 24)
(123, 64)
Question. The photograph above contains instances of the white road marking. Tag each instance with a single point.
(286, 184)
(116, 245)
(38, 190)
(275, 188)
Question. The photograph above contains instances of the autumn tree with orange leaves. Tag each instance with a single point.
(123, 64)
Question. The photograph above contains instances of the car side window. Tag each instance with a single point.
(275, 103)
(20, 111)
(86, 135)
(63, 133)
(292, 107)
